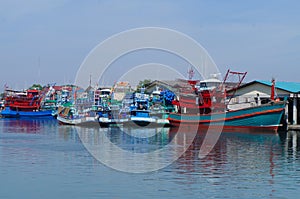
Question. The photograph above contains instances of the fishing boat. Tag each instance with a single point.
(147, 111)
(107, 113)
(141, 118)
(70, 116)
(106, 116)
(204, 106)
(138, 109)
(77, 107)
(25, 104)
(161, 106)
(2, 102)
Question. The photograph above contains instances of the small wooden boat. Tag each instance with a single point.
(70, 116)
(83, 121)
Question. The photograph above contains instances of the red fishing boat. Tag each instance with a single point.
(204, 106)
(24, 104)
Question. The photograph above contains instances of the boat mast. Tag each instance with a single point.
(240, 77)
(191, 73)
(273, 90)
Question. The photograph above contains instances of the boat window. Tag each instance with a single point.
(203, 85)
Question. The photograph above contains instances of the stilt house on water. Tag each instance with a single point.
(259, 92)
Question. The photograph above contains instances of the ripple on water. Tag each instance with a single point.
(39, 158)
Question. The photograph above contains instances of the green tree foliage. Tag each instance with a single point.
(36, 86)
(142, 84)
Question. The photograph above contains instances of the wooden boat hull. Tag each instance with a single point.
(259, 117)
(106, 122)
(137, 118)
(84, 121)
(7, 112)
(134, 122)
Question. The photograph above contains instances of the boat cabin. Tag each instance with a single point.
(208, 84)
(32, 93)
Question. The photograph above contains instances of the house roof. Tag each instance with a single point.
(170, 83)
(292, 87)
(89, 88)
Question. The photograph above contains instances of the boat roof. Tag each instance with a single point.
(32, 91)
(14, 91)
(293, 87)
(105, 90)
(156, 92)
(211, 80)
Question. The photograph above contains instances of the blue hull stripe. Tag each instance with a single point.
(10, 113)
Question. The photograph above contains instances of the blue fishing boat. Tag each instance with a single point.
(108, 115)
(139, 110)
(147, 110)
(161, 106)
(141, 117)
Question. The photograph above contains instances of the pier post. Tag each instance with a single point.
(286, 113)
(258, 99)
(295, 109)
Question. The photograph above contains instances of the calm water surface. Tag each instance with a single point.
(41, 159)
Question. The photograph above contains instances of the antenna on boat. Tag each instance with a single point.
(90, 80)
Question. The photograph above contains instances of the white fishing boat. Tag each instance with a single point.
(70, 116)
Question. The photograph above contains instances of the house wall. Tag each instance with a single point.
(247, 97)
(249, 93)
(152, 88)
(263, 90)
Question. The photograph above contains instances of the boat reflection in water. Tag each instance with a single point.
(115, 148)
(240, 165)
(129, 149)
(28, 125)
(238, 157)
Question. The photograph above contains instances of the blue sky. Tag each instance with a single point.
(46, 41)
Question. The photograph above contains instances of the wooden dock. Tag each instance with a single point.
(294, 127)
